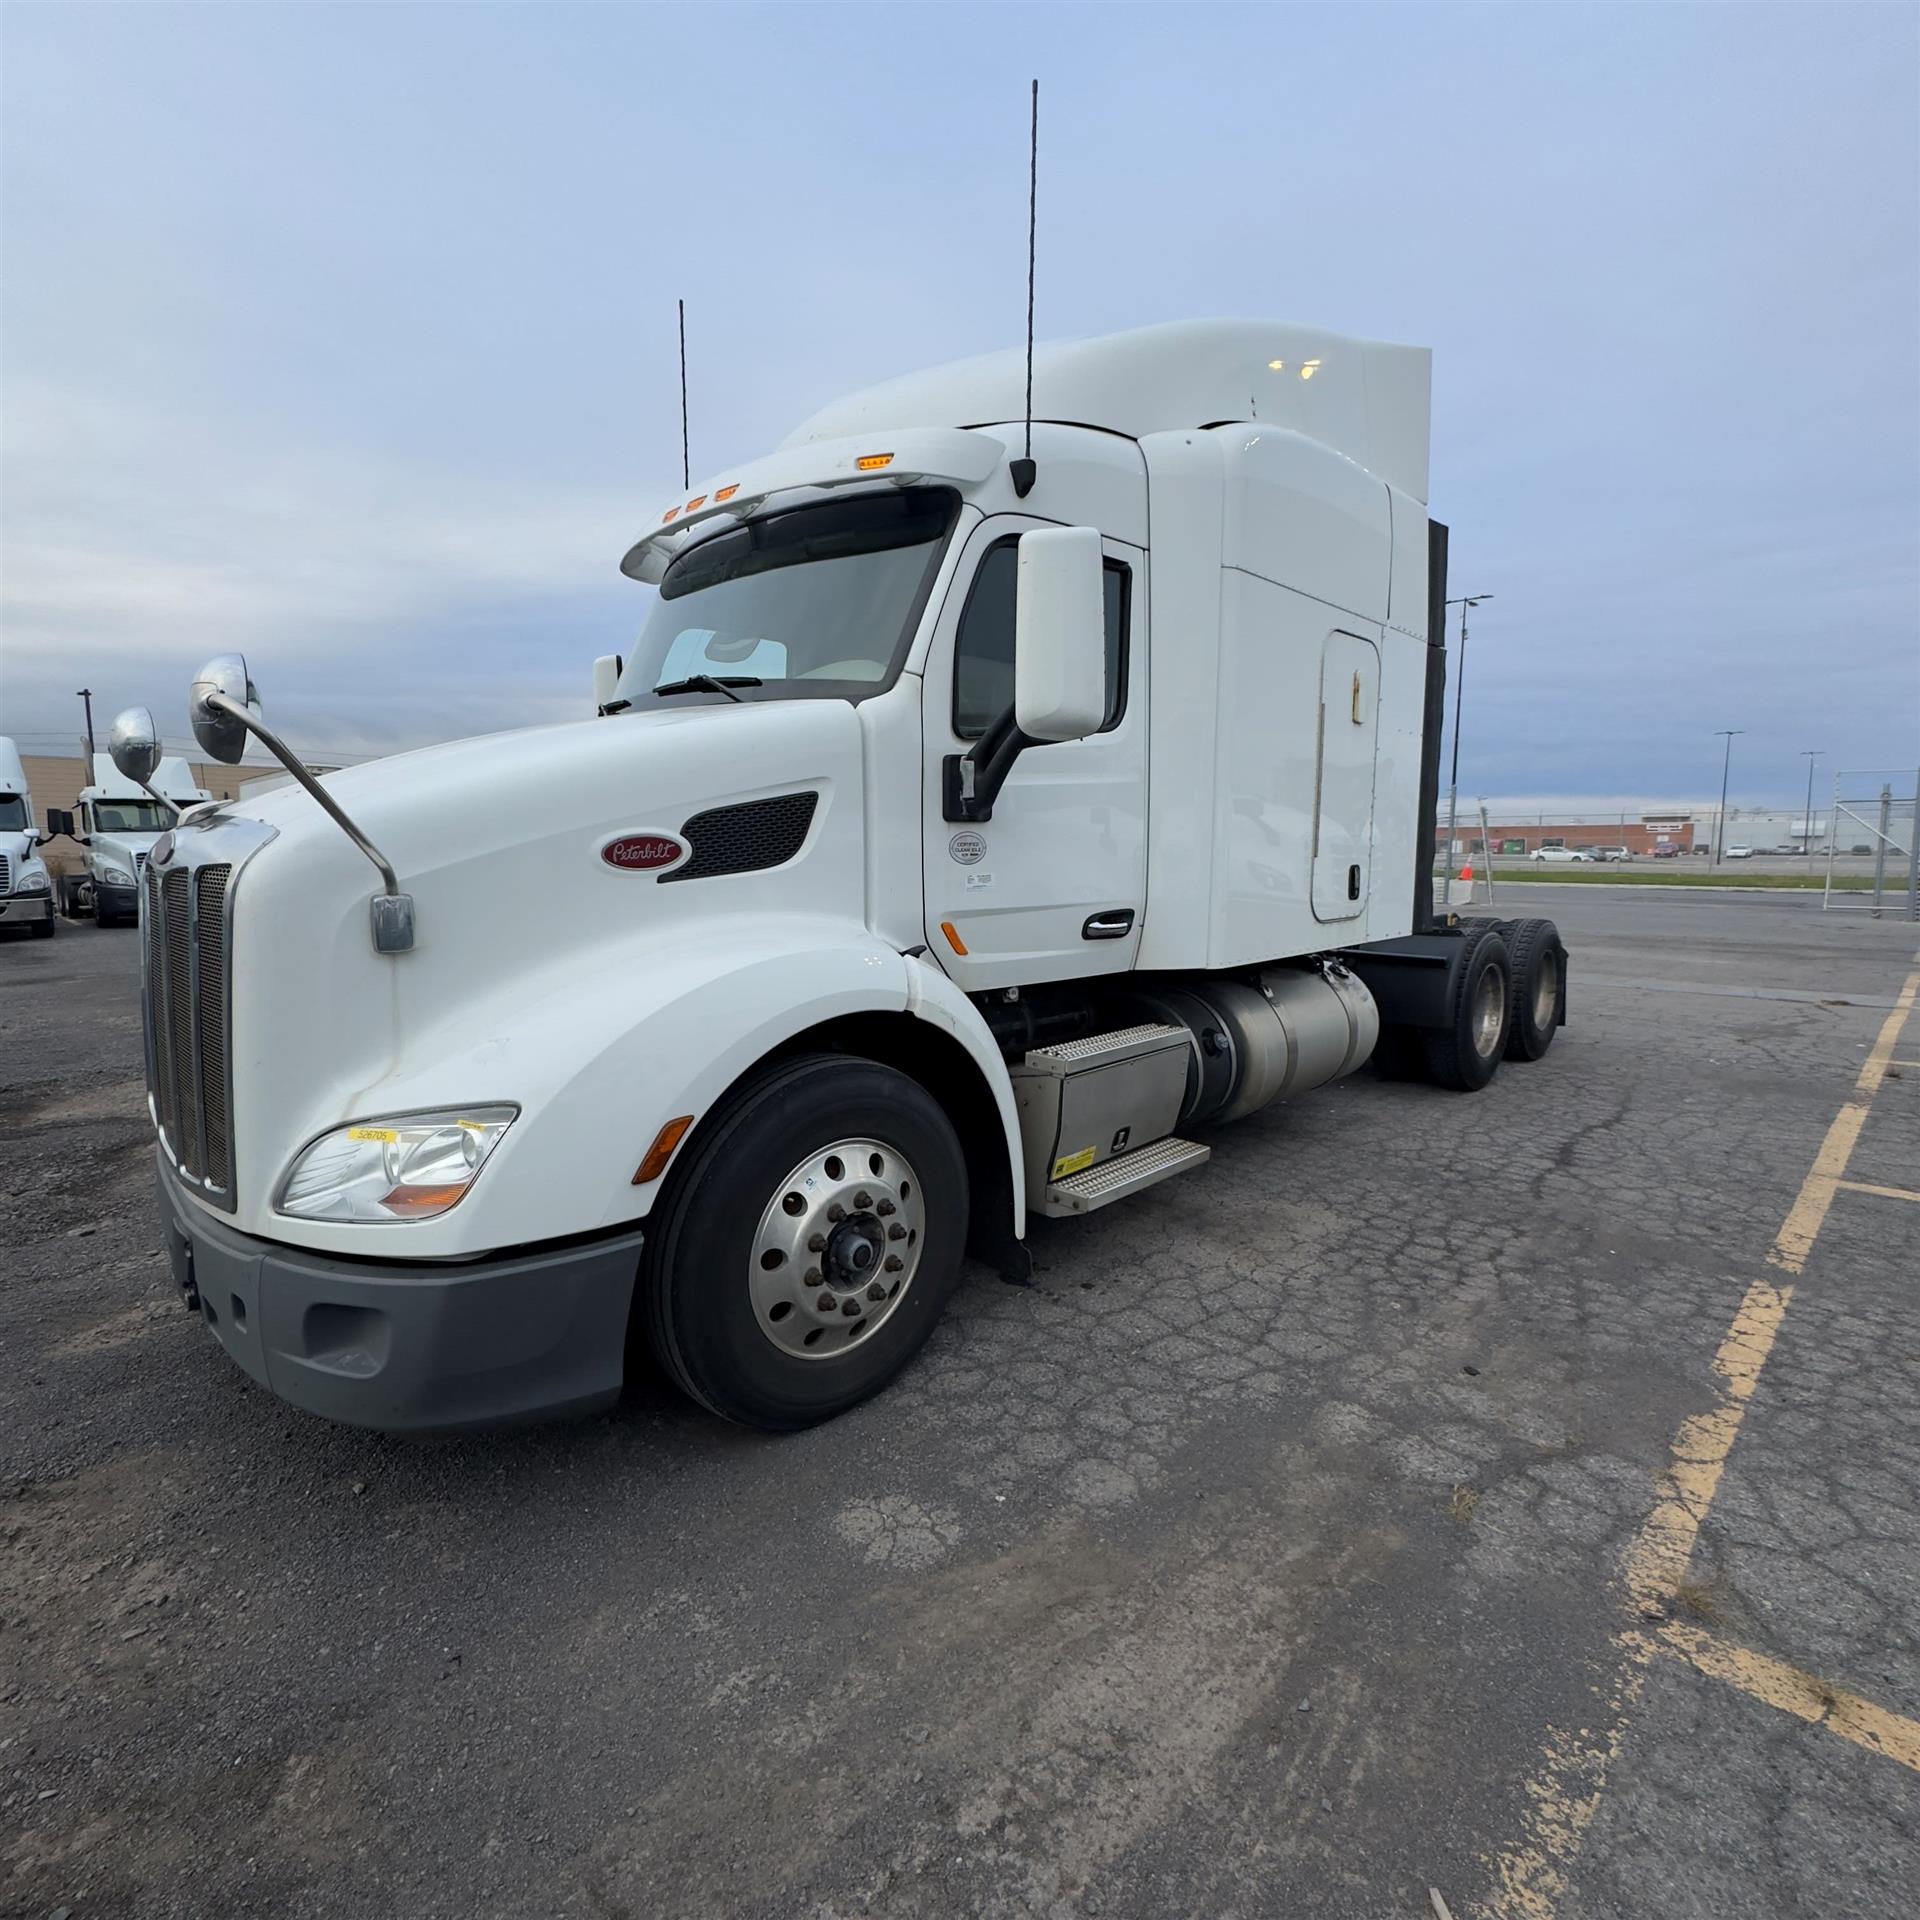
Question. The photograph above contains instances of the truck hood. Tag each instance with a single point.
(18, 849)
(502, 841)
(124, 850)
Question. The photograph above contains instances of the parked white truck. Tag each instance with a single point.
(26, 888)
(116, 821)
(968, 834)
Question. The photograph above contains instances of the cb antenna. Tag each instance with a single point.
(1023, 470)
(686, 458)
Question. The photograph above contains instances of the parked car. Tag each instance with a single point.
(1610, 855)
(1668, 853)
(1739, 853)
(1563, 856)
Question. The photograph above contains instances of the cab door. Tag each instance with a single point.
(1348, 736)
(1053, 887)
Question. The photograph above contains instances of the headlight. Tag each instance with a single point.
(410, 1167)
(33, 883)
(112, 875)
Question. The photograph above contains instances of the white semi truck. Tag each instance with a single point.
(987, 812)
(26, 888)
(116, 821)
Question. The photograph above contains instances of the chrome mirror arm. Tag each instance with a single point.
(393, 911)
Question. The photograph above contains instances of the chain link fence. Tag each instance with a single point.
(1874, 814)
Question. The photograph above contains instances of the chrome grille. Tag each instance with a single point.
(6, 873)
(185, 949)
(210, 1013)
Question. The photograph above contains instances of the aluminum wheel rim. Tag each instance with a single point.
(1546, 989)
(836, 1249)
(1489, 1000)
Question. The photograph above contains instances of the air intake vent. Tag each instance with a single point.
(746, 838)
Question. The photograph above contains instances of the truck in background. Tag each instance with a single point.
(116, 822)
(989, 810)
(26, 888)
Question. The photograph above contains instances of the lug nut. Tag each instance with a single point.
(896, 1231)
(850, 1308)
(817, 1243)
(814, 1276)
(863, 1201)
(894, 1263)
(826, 1302)
(876, 1291)
(836, 1211)
(884, 1208)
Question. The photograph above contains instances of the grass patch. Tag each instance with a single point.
(1700, 1599)
(1641, 875)
(1462, 1503)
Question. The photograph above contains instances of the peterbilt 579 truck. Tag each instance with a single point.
(989, 809)
(26, 888)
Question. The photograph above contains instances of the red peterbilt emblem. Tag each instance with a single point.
(642, 852)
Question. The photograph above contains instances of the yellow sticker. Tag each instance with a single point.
(1073, 1162)
(371, 1133)
(472, 1126)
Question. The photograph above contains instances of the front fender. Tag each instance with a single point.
(598, 1058)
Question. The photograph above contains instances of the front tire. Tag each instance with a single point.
(769, 1292)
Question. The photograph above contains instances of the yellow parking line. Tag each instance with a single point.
(1564, 1794)
(1886, 1193)
(1800, 1694)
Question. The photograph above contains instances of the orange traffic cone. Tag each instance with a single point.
(1466, 872)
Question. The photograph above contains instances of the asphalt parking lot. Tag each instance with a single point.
(1510, 1495)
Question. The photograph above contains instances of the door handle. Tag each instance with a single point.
(1114, 925)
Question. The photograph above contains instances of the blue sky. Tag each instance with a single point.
(345, 334)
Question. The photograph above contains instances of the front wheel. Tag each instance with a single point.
(804, 1249)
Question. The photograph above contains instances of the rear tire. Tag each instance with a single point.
(1537, 997)
(1464, 1054)
(727, 1272)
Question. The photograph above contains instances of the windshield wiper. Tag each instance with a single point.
(711, 683)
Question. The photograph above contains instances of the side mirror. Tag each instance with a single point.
(134, 743)
(1060, 634)
(606, 681)
(59, 821)
(222, 737)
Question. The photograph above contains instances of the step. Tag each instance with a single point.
(1104, 1049)
(1115, 1179)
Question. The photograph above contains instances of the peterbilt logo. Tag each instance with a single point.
(643, 852)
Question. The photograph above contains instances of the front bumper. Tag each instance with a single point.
(426, 1348)
(110, 898)
(23, 909)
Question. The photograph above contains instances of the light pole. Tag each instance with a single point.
(1459, 694)
(1810, 755)
(85, 696)
(1726, 766)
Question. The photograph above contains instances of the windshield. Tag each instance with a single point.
(13, 813)
(819, 602)
(131, 816)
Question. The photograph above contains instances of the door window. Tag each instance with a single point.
(983, 646)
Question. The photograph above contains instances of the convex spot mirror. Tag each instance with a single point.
(222, 737)
(1060, 634)
(134, 744)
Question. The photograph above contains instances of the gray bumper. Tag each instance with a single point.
(25, 909)
(409, 1348)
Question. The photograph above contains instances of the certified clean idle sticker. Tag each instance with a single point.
(968, 847)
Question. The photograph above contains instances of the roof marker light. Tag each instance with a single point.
(873, 462)
(698, 501)
(1308, 368)
(668, 515)
(725, 493)
(1276, 366)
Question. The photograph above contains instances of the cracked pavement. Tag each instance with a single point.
(1244, 1565)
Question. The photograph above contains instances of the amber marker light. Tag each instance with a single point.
(953, 939)
(873, 462)
(664, 1142)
